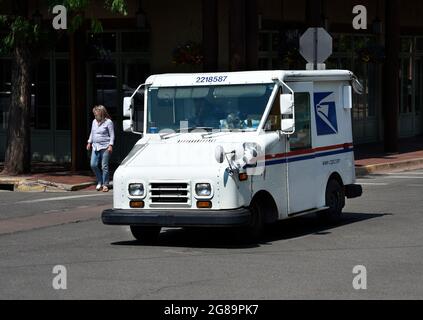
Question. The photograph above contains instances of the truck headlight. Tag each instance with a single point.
(136, 189)
(203, 189)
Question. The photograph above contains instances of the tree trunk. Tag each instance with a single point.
(18, 143)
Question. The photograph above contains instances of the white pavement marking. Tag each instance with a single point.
(404, 177)
(406, 173)
(62, 198)
(373, 183)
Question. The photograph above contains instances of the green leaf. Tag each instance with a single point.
(117, 6)
(76, 22)
(96, 26)
(3, 19)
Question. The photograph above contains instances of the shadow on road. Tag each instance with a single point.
(233, 238)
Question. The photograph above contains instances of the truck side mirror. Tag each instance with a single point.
(128, 104)
(347, 94)
(127, 125)
(287, 113)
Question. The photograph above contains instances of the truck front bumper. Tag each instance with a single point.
(177, 218)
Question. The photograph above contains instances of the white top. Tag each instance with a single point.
(245, 77)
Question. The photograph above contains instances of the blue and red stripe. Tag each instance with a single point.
(307, 154)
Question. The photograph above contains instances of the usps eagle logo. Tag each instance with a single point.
(325, 110)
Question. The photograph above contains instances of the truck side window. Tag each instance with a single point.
(301, 139)
(273, 122)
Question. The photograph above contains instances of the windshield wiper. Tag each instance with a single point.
(195, 128)
(178, 131)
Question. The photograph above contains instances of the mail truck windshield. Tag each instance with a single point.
(209, 107)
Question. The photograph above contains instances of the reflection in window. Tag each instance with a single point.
(301, 139)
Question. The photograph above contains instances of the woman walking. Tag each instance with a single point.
(101, 141)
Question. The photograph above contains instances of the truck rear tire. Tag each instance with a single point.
(335, 200)
(146, 234)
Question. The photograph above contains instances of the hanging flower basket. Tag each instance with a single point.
(188, 54)
(371, 54)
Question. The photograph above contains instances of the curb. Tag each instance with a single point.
(65, 187)
(26, 185)
(382, 167)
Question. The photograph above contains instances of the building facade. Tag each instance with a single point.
(84, 69)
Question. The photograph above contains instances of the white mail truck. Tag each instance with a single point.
(237, 149)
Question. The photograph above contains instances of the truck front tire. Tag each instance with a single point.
(146, 234)
(256, 226)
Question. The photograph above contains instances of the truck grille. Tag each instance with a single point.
(169, 192)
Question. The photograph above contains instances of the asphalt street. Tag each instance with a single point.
(298, 259)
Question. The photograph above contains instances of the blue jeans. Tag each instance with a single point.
(97, 157)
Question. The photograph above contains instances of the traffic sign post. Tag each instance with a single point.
(316, 47)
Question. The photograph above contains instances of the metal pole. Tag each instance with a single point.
(315, 43)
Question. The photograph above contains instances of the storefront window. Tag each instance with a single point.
(406, 45)
(135, 41)
(101, 45)
(406, 85)
(349, 52)
(63, 114)
(342, 42)
(62, 43)
(419, 45)
(278, 49)
(106, 86)
(419, 85)
(419, 76)
(5, 91)
(40, 96)
(269, 42)
(135, 72)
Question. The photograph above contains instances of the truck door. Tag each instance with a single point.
(302, 178)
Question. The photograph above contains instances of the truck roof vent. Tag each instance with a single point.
(196, 140)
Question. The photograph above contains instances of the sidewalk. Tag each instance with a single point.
(370, 158)
(46, 176)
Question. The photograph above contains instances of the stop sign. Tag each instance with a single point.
(316, 45)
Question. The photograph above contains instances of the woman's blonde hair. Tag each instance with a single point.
(103, 112)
